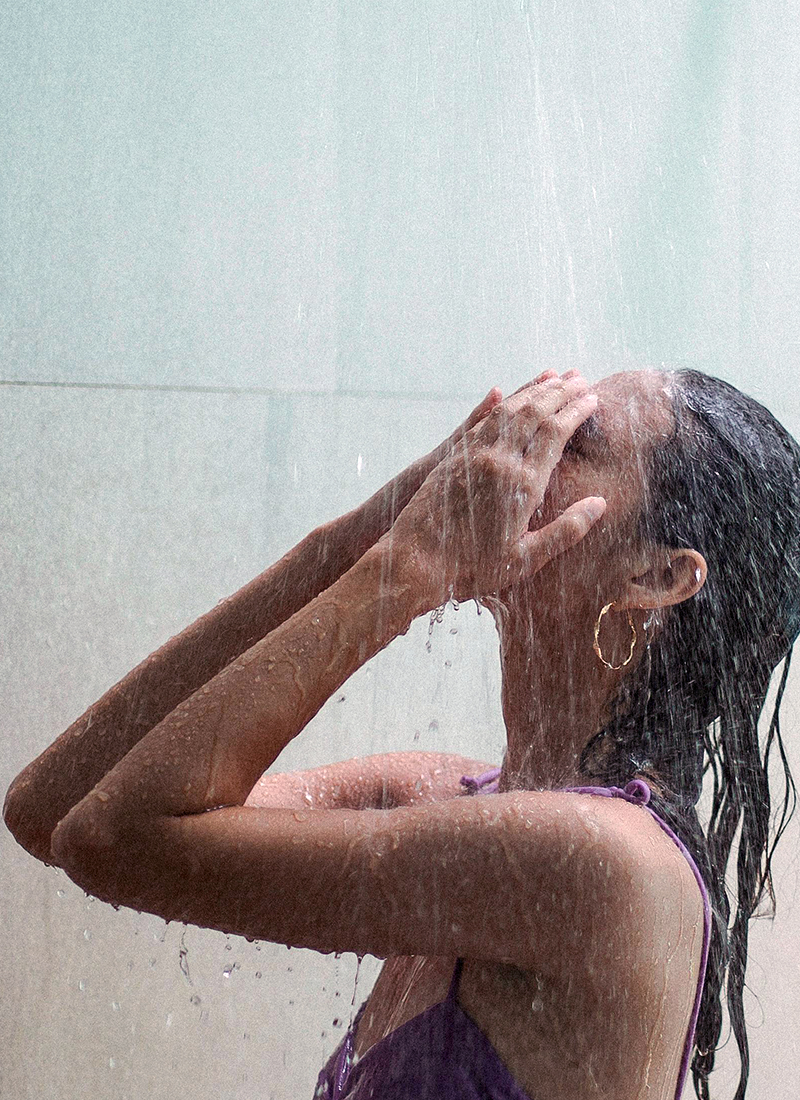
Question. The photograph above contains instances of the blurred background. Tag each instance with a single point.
(255, 259)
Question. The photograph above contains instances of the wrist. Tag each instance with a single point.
(373, 519)
(405, 575)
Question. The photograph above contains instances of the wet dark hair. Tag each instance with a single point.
(727, 483)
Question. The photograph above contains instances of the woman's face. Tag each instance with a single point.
(606, 457)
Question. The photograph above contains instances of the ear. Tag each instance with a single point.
(672, 577)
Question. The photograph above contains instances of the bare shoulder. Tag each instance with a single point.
(381, 781)
(647, 864)
(626, 958)
(623, 884)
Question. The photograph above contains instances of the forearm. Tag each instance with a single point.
(66, 771)
(210, 751)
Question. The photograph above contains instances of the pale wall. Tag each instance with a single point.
(257, 258)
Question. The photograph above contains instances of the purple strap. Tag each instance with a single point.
(487, 779)
(421, 1043)
(637, 792)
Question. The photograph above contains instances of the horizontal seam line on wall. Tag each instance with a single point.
(255, 390)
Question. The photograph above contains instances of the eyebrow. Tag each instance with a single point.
(589, 431)
(591, 427)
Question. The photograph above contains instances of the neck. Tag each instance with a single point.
(555, 698)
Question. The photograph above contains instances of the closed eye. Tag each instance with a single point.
(573, 446)
(585, 438)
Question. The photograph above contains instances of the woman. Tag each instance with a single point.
(637, 543)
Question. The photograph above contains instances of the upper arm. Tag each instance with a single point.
(382, 781)
(520, 877)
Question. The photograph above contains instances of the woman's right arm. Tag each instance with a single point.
(47, 789)
(380, 782)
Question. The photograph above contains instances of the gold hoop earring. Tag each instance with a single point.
(598, 650)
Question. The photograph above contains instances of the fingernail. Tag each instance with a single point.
(595, 506)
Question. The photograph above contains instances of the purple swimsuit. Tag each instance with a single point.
(442, 1054)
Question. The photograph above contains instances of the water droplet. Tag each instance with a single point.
(81, 985)
(87, 935)
(60, 893)
(115, 1005)
(537, 1004)
(111, 1063)
(183, 961)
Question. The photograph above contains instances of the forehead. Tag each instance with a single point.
(635, 406)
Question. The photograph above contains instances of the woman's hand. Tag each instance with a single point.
(364, 526)
(467, 530)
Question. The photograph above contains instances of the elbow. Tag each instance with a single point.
(84, 844)
(107, 854)
(25, 824)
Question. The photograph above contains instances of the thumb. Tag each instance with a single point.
(537, 548)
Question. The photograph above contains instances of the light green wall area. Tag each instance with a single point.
(360, 197)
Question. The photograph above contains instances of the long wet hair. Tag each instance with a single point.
(727, 483)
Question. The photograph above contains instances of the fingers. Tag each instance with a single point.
(492, 398)
(537, 420)
(495, 397)
(549, 396)
(537, 548)
(543, 377)
(541, 399)
(541, 430)
(547, 445)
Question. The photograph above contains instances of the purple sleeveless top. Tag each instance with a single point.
(442, 1054)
